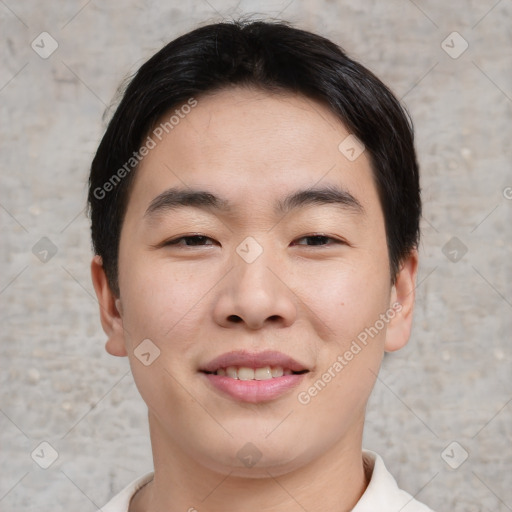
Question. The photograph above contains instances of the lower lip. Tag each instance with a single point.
(254, 391)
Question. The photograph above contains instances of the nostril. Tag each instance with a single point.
(234, 318)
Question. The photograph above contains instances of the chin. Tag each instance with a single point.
(256, 460)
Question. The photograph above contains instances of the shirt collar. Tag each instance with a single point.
(382, 493)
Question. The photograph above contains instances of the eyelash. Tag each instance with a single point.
(196, 237)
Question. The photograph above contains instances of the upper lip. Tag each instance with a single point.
(253, 360)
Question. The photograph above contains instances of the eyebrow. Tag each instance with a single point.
(176, 198)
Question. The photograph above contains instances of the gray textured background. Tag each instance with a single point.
(452, 383)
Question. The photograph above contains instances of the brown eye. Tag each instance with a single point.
(318, 240)
(190, 241)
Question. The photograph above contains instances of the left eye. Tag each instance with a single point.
(318, 239)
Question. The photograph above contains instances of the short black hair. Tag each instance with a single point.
(273, 56)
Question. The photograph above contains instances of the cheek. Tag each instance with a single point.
(161, 300)
(349, 302)
(345, 297)
(162, 303)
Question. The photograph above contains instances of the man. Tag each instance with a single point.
(255, 208)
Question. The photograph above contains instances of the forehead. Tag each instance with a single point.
(252, 147)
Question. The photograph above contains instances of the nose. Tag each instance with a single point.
(255, 294)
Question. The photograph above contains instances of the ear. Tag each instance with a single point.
(403, 295)
(110, 310)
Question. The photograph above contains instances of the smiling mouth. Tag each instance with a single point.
(247, 373)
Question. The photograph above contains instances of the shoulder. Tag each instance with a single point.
(121, 502)
(383, 493)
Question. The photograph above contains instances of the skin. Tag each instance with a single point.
(308, 301)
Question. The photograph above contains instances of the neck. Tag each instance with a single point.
(335, 481)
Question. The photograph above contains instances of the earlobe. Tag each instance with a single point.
(402, 293)
(110, 310)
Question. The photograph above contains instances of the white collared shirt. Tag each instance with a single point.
(381, 495)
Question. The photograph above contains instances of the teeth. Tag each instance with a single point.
(277, 371)
(245, 373)
(231, 372)
(263, 373)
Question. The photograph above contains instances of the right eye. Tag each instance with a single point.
(195, 240)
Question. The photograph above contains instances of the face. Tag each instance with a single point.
(252, 247)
